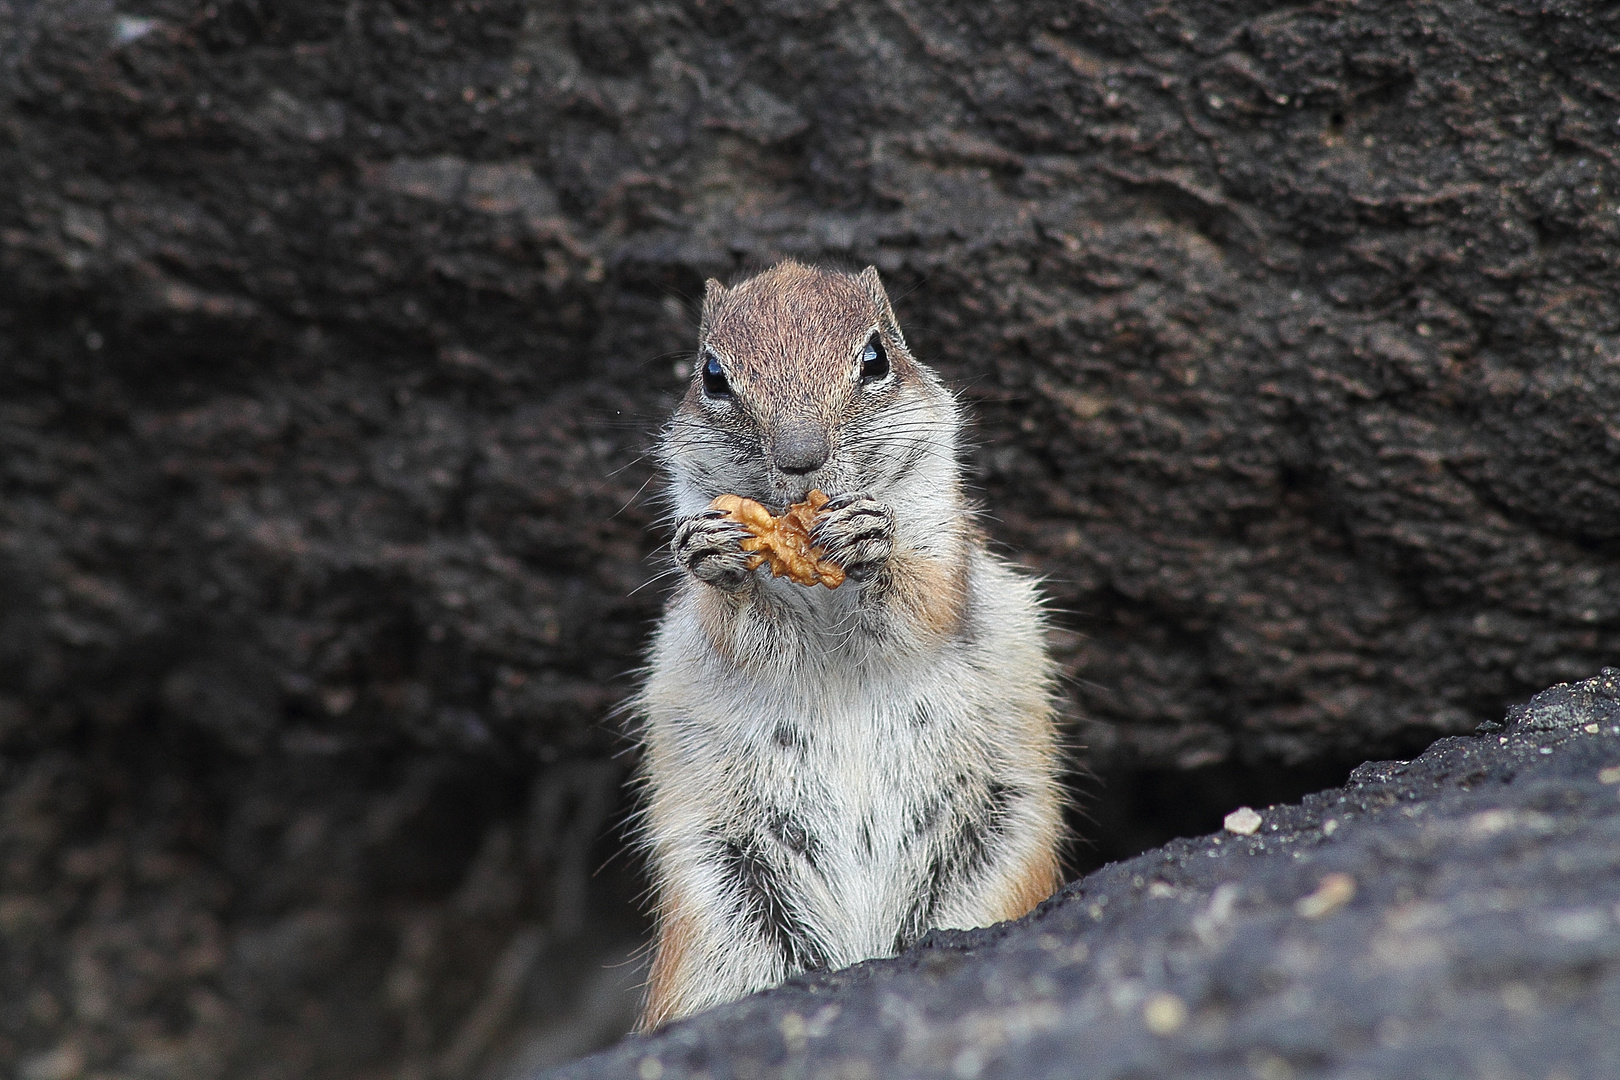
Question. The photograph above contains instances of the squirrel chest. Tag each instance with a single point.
(831, 772)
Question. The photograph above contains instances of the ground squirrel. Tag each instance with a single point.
(830, 773)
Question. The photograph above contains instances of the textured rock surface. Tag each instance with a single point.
(330, 334)
(1453, 916)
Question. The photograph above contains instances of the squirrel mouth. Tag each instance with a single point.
(777, 490)
(783, 497)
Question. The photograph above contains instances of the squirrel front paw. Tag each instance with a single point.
(857, 533)
(707, 544)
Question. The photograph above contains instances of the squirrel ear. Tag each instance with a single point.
(713, 293)
(874, 288)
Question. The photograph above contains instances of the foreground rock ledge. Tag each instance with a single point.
(1453, 916)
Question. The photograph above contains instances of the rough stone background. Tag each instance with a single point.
(1453, 916)
(331, 335)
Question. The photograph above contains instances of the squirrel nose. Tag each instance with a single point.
(800, 448)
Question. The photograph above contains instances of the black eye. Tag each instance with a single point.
(874, 361)
(714, 379)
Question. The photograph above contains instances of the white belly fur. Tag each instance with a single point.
(859, 765)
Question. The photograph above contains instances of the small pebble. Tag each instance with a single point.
(1590, 729)
(1611, 775)
(1243, 821)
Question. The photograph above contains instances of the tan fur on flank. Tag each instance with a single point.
(831, 773)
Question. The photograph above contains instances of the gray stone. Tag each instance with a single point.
(1453, 916)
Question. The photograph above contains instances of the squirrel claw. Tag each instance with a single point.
(708, 544)
(856, 532)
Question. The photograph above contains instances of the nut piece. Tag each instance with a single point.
(784, 541)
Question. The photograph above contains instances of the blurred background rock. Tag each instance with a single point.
(331, 339)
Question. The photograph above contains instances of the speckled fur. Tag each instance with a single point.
(831, 773)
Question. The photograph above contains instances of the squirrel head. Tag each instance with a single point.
(802, 380)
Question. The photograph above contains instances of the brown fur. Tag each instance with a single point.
(931, 594)
(674, 944)
(720, 612)
(1041, 876)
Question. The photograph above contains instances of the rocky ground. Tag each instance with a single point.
(332, 334)
(1453, 916)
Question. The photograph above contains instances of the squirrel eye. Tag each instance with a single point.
(874, 361)
(714, 379)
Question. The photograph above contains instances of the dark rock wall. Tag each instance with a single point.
(331, 335)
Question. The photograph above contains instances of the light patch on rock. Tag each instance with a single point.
(1582, 924)
(131, 28)
(1164, 1014)
(1332, 892)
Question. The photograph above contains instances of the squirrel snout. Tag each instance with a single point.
(800, 447)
